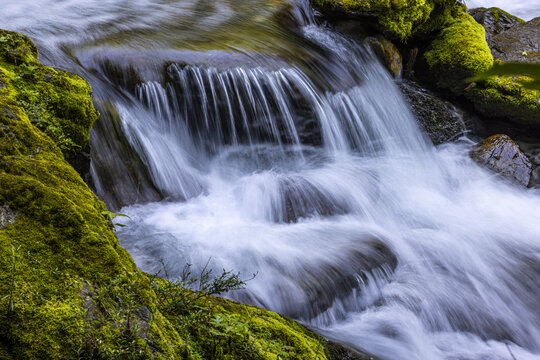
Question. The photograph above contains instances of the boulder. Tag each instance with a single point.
(502, 155)
(442, 121)
(504, 97)
(494, 20)
(388, 53)
(521, 43)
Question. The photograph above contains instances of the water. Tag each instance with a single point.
(290, 153)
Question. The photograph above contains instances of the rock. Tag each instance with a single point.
(459, 52)
(504, 97)
(502, 155)
(521, 43)
(494, 21)
(442, 121)
(388, 53)
(7, 216)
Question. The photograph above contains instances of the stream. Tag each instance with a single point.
(243, 135)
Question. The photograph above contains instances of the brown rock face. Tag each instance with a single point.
(521, 43)
(388, 53)
(502, 155)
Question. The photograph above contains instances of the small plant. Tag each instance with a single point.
(179, 296)
(109, 216)
(13, 267)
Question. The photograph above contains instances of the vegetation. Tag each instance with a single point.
(399, 19)
(460, 51)
(67, 289)
(508, 90)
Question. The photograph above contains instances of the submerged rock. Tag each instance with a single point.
(442, 121)
(502, 155)
(494, 20)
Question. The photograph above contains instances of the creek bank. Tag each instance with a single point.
(67, 289)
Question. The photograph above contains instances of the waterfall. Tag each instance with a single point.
(253, 139)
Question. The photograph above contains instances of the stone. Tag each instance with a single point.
(7, 216)
(442, 121)
(388, 53)
(521, 43)
(494, 20)
(502, 155)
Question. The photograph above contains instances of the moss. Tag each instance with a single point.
(497, 13)
(56, 102)
(459, 52)
(67, 289)
(505, 97)
(396, 18)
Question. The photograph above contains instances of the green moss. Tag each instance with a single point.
(57, 102)
(396, 18)
(459, 52)
(505, 97)
(497, 13)
(67, 289)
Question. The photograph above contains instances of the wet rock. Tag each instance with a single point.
(338, 351)
(521, 43)
(494, 20)
(502, 155)
(302, 199)
(442, 121)
(388, 53)
(7, 216)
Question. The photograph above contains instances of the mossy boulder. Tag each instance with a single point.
(67, 289)
(459, 52)
(397, 19)
(504, 97)
(57, 102)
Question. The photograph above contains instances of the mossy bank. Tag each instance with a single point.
(67, 289)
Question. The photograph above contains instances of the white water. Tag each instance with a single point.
(324, 227)
(374, 238)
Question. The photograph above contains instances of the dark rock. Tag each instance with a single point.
(502, 155)
(388, 53)
(521, 43)
(494, 20)
(442, 121)
(338, 351)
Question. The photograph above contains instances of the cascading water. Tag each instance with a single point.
(306, 167)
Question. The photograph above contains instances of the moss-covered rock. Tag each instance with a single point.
(57, 102)
(505, 97)
(398, 19)
(67, 289)
(459, 52)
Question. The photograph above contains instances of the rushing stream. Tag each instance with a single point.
(243, 135)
